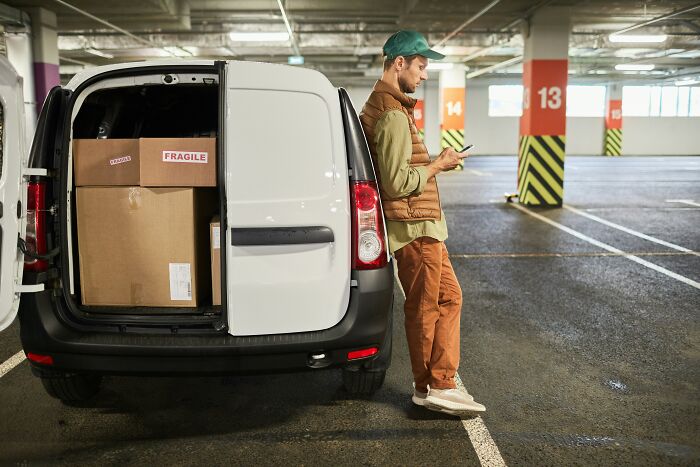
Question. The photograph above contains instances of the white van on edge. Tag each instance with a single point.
(307, 281)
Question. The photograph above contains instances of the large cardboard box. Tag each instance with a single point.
(178, 161)
(215, 238)
(151, 162)
(106, 162)
(144, 246)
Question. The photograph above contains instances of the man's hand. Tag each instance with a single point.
(447, 160)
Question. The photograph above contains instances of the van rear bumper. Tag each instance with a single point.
(45, 331)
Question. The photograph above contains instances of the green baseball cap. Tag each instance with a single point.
(406, 43)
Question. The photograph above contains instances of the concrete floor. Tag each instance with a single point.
(581, 357)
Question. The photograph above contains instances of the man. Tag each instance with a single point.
(416, 225)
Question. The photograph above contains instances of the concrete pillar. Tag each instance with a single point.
(19, 53)
(613, 121)
(45, 51)
(543, 123)
(431, 115)
(452, 107)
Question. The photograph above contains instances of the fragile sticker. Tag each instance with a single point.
(180, 281)
(119, 160)
(187, 157)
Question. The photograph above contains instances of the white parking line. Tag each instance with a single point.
(12, 362)
(630, 231)
(605, 246)
(684, 201)
(479, 173)
(485, 447)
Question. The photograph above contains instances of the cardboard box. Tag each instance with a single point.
(106, 162)
(178, 161)
(151, 162)
(215, 239)
(144, 246)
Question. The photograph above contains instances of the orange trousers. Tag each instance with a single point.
(432, 311)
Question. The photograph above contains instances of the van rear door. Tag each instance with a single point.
(287, 236)
(13, 190)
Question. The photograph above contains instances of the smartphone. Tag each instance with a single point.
(466, 148)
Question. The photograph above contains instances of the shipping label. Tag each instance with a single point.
(180, 281)
(216, 240)
(119, 160)
(187, 157)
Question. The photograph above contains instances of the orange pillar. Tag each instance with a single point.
(418, 115)
(613, 121)
(542, 140)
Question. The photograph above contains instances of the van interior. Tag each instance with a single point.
(153, 110)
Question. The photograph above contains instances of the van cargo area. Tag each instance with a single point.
(144, 194)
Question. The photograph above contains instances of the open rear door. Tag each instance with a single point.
(13, 191)
(287, 200)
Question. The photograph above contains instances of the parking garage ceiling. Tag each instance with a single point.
(343, 39)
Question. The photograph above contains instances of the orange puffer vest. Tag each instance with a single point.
(425, 206)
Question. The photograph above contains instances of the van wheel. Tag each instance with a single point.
(71, 387)
(362, 382)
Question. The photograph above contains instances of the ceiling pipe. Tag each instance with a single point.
(110, 25)
(506, 28)
(488, 69)
(467, 22)
(295, 47)
(659, 18)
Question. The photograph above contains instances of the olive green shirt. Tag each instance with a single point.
(399, 179)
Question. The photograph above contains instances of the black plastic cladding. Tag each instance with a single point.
(358, 152)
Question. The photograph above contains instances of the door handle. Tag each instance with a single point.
(281, 236)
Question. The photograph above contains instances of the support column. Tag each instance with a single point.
(419, 116)
(431, 115)
(452, 107)
(543, 123)
(613, 121)
(45, 51)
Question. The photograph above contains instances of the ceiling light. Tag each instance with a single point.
(687, 82)
(259, 36)
(99, 53)
(655, 39)
(633, 67)
(440, 66)
(178, 51)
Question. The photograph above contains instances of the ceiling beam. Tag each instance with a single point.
(659, 18)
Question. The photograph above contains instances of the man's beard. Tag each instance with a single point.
(406, 86)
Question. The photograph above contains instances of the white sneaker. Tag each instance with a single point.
(418, 397)
(453, 400)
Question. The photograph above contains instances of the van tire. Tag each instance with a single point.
(71, 387)
(361, 382)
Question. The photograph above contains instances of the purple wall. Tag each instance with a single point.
(46, 76)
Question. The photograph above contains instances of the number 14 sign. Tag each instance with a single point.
(453, 108)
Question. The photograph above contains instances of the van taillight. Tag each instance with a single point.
(368, 243)
(36, 226)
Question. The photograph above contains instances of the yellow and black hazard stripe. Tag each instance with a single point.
(613, 142)
(541, 170)
(452, 139)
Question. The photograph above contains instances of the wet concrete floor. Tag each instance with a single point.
(582, 357)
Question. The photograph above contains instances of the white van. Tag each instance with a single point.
(306, 278)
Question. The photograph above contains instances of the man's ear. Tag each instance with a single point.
(400, 62)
